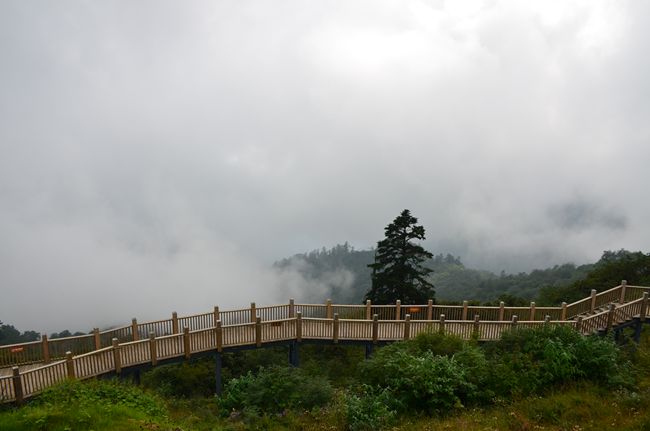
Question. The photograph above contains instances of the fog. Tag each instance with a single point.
(159, 156)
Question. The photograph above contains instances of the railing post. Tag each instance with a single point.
(134, 329)
(186, 342)
(368, 309)
(464, 317)
(292, 308)
(98, 340)
(219, 336)
(430, 309)
(375, 328)
(623, 289)
(328, 309)
(18, 385)
(215, 316)
(398, 309)
(407, 326)
(532, 311)
(299, 326)
(514, 321)
(335, 329)
(475, 327)
(117, 358)
(69, 364)
(441, 328)
(174, 323)
(152, 348)
(610, 316)
(593, 300)
(644, 307)
(563, 313)
(579, 324)
(258, 331)
(253, 312)
(46, 348)
(502, 310)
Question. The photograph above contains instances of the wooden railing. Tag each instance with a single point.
(152, 349)
(47, 350)
(150, 342)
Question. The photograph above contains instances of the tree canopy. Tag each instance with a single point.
(397, 272)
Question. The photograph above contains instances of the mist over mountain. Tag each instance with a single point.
(342, 273)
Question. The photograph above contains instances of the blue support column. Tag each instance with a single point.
(637, 330)
(294, 354)
(217, 374)
(369, 349)
(136, 377)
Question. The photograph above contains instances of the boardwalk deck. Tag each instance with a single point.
(44, 363)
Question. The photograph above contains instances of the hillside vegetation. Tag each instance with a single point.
(454, 282)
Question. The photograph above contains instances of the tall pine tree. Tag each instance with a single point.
(398, 272)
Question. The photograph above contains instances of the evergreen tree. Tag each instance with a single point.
(398, 272)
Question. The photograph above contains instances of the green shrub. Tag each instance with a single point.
(428, 383)
(98, 405)
(532, 360)
(434, 342)
(335, 362)
(188, 379)
(274, 390)
(111, 392)
(370, 410)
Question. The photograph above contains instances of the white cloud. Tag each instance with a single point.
(164, 149)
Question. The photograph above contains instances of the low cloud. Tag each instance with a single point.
(157, 157)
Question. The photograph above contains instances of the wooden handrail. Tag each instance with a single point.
(53, 349)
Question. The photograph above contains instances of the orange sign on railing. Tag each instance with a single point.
(16, 349)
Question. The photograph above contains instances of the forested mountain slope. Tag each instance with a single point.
(452, 280)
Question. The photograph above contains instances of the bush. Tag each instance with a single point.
(428, 383)
(532, 360)
(274, 390)
(99, 405)
(370, 410)
(433, 342)
(336, 363)
(188, 379)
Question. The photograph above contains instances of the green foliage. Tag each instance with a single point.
(398, 271)
(342, 273)
(432, 373)
(605, 274)
(533, 360)
(425, 382)
(98, 405)
(336, 363)
(274, 390)
(239, 363)
(10, 335)
(188, 379)
(370, 410)
(345, 274)
(65, 333)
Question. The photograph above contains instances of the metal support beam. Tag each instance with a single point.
(637, 331)
(217, 374)
(369, 349)
(294, 354)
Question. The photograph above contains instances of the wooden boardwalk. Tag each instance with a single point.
(26, 369)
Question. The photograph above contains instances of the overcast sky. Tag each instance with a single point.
(159, 156)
